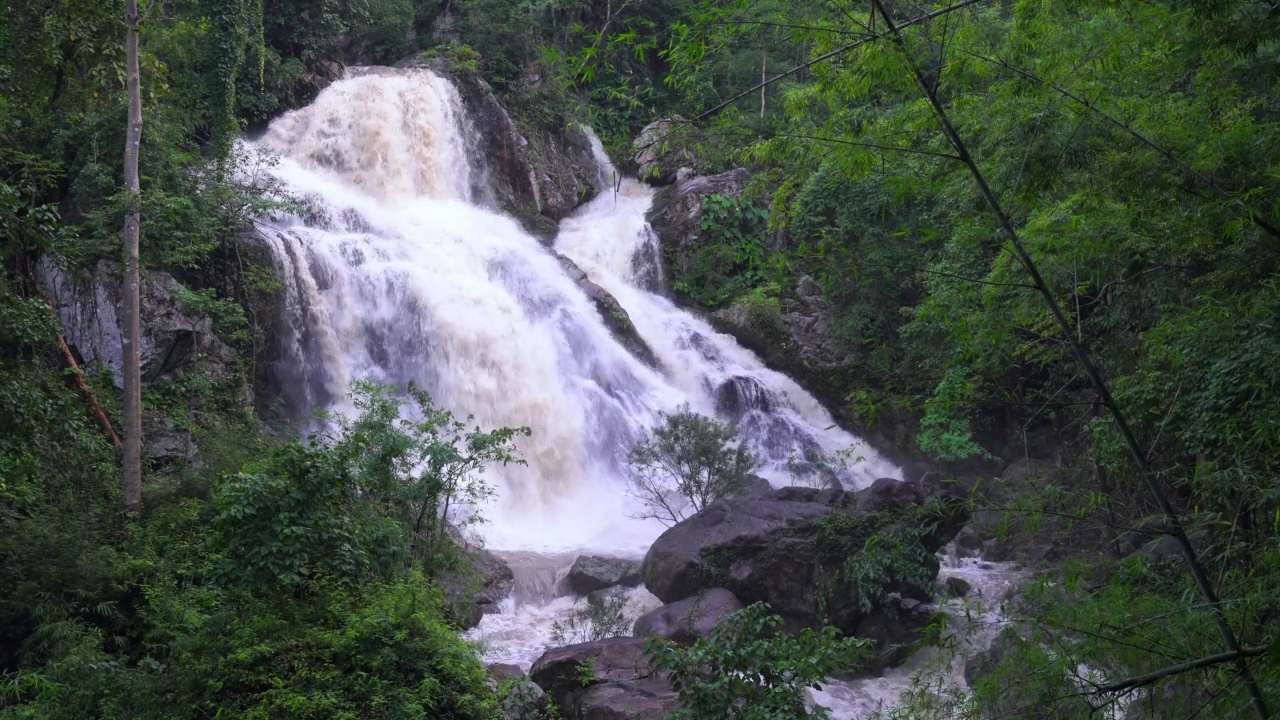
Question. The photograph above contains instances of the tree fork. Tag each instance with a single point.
(1176, 528)
(132, 330)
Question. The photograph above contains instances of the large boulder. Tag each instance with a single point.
(597, 572)
(676, 213)
(476, 590)
(604, 680)
(663, 151)
(611, 311)
(788, 549)
(688, 620)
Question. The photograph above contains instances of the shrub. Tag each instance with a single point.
(746, 670)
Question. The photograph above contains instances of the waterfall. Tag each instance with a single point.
(395, 270)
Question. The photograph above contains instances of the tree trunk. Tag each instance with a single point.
(132, 331)
(764, 79)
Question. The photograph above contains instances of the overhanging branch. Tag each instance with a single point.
(1133, 683)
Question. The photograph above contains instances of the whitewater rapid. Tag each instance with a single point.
(396, 270)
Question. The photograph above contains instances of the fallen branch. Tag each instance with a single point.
(85, 391)
(1134, 683)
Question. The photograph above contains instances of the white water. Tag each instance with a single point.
(394, 270)
(394, 273)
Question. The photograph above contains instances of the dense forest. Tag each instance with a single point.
(1042, 235)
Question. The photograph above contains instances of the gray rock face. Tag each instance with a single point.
(688, 620)
(600, 599)
(476, 594)
(539, 175)
(774, 549)
(623, 686)
(163, 442)
(174, 342)
(526, 701)
(590, 573)
(676, 213)
(662, 153)
(611, 311)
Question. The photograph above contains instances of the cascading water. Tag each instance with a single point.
(394, 274)
(395, 270)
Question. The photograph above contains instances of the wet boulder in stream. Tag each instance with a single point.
(604, 680)
(790, 548)
(688, 620)
(590, 573)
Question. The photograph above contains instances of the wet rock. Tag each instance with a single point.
(640, 699)
(888, 494)
(774, 549)
(602, 598)
(590, 573)
(611, 311)
(756, 487)
(174, 342)
(619, 685)
(968, 542)
(662, 151)
(896, 632)
(525, 701)
(477, 591)
(740, 395)
(981, 664)
(503, 671)
(676, 213)
(688, 620)
(958, 586)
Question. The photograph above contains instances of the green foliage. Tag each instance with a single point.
(295, 519)
(687, 462)
(944, 430)
(747, 670)
(873, 554)
(426, 472)
(732, 257)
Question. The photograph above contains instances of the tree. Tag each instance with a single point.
(428, 469)
(132, 331)
(687, 462)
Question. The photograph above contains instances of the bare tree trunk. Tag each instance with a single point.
(132, 331)
(764, 80)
